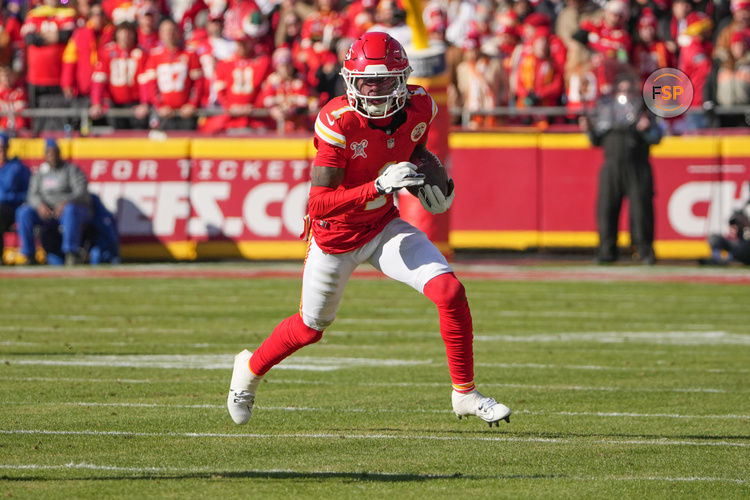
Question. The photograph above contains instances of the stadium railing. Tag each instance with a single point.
(463, 117)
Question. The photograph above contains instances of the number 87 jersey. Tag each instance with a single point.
(364, 147)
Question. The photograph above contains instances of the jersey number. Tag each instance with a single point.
(122, 72)
(242, 81)
(171, 77)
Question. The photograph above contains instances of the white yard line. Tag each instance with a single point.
(661, 338)
(413, 437)
(207, 361)
(312, 367)
(384, 410)
(363, 474)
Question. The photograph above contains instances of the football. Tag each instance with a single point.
(430, 165)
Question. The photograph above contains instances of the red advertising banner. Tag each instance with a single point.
(198, 198)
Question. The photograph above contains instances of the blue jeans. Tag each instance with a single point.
(72, 221)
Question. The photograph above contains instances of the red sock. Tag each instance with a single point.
(449, 296)
(290, 335)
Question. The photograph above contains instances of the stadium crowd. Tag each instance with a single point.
(163, 60)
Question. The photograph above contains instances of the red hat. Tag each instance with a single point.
(537, 20)
(698, 23)
(737, 5)
(647, 19)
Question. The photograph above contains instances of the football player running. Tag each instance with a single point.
(363, 142)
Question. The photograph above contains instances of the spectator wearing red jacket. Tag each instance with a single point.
(238, 82)
(609, 42)
(173, 80)
(46, 31)
(285, 94)
(695, 62)
(115, 79)
(82, 53)
(650, 53)
(147, 19)
(11, 42)
(12, 101)
(360, 15)
(538, 82)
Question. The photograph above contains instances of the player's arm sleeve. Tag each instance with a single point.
(331, 200)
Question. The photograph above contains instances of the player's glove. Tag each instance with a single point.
(398, 175)
(434, 201)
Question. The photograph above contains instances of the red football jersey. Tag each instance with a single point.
(116, 75)
(172, 78)
(44, 62)
(238, 80)
(345, 139)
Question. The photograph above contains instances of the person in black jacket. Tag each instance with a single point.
(623, 128)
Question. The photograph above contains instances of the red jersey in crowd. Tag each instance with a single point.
(648, 57)
(116, 75)
(15, 100)
(238, 82)
(44, 62)
(172, 78)
(291, 93)
(538, 76)
(695, 62)
(325, 26)
(612, 43)
(80, 57)
(147, 41)
(12, 28)
(345, 140)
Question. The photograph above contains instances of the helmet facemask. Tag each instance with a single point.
(388, 89)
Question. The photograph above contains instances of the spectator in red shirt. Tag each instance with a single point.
(46, 31)
(115, 79)
(650, 53)
(285, 94)
(360, 15)
(695, 61)
(173, 81)
(12, 100)
(148, 22)
(82, 53)
(238, 81)
(538, 82)
(11, 42)
(609, 43)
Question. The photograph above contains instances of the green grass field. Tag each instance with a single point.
(115, 387)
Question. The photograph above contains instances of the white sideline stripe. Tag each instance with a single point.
(215, 470)
(664, 338)
(709, 390)
(71, 379)
(389, 410)
(416, 437)
(656, 368)
(700, 390)
(209, 362)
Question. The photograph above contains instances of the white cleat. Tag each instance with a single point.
(242, 389)
(473, 403)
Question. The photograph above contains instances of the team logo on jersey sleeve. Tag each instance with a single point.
(418, 131)
(359, 148)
